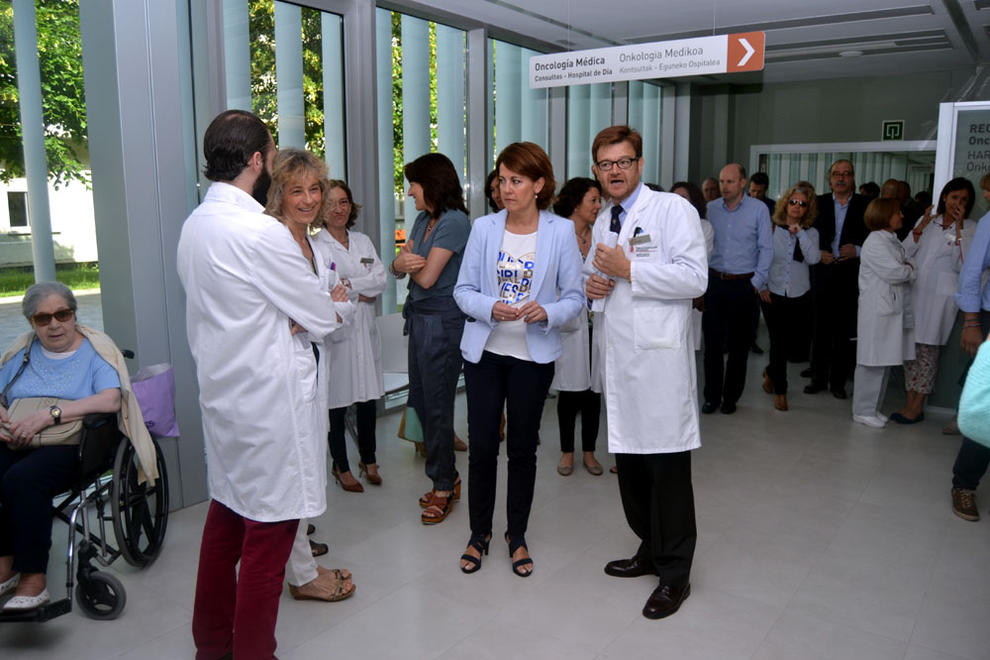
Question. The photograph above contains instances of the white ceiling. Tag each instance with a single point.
(803, 37)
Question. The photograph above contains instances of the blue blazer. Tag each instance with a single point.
(557, 284)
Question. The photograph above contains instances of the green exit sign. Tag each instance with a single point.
(893, 129)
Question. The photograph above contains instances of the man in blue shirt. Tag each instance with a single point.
(974, 300)
(835, 281)
(737, 274)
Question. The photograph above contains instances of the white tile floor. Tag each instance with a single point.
(818, 538)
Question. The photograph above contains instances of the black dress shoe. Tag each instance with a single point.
(813, 388)
(839, 393)
(709, 407)
(633, 567)
(665, 600)
(728, 408)
(807, 373)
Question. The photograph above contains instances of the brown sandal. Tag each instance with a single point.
(438, 509)
(329, 587)
(427, 498)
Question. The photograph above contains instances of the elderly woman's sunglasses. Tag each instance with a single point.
(61, 316)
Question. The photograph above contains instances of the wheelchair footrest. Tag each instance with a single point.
(47, 611)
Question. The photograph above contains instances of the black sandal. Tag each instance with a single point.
(514, 544)
(480, 544)
(318, 549)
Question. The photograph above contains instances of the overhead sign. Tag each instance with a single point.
(724, 53)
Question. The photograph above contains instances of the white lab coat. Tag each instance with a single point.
(938, 260)
(650, 379)
(572, 370)
(355, 350)
(885, 324)
(245, 278)
(709, 234)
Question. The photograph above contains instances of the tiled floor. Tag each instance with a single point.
(819, 538)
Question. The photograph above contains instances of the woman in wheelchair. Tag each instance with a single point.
(79, 371)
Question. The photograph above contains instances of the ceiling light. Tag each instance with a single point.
(850, 53)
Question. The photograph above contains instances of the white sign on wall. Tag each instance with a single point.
(724, 53)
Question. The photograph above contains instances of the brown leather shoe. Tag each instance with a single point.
(370, 472)
(665, 600)
(629, 568)
(348, 483)
(964, 504)
(767, 384)
(780, 402)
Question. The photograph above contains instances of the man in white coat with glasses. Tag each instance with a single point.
(648, 262)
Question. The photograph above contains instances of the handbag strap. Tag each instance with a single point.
(20, 370)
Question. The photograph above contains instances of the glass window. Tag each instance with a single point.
(645, 117)
(17, 209)
(421, 109)
(520, 113)
(285, 63)
(589, 110)
(59, 207)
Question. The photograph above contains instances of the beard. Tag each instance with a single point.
(261, 186)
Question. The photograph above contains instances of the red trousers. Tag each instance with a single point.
(236, 611)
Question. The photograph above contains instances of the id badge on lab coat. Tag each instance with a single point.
(642, 245)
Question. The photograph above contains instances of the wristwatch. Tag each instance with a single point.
(56, 413)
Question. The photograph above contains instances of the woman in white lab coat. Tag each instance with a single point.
(885, 324)
(693, 194)
(355, 351)
(579, 200)
(296, 200)
(937, 245)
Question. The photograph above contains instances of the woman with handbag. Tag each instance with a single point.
(56, 361)
(431, 257)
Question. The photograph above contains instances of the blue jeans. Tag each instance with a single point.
(435, 326)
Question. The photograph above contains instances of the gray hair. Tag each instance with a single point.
(38, 291)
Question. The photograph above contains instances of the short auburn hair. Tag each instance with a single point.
(615, 135)
(880, 211)
(529, 159)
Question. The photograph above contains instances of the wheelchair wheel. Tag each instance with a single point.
(140, 511)
(101, 595)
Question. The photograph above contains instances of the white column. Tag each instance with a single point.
(289, 76)
(386, 180)
(33, 132)
(450, 97)
(578, 131)
(333, 94)
(508, 111)
(237, 54)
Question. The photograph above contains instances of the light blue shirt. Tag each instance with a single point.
(972, 296)
(628, 203)
(840, 220)
(743, 241)
(81, 375)
(790, 278)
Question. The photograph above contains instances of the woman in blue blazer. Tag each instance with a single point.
(519, 282)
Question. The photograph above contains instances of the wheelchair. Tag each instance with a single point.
(107, 496)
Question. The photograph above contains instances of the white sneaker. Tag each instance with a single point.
(10, 583)
(869, 420)
(883, 417)
(25, 603)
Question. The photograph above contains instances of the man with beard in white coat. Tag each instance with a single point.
(249, 295)
(648, 279)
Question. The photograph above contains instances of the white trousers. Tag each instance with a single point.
(869, 388)
(301, 567)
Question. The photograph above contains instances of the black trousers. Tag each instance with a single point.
(435, 327)
(727, 321)
(29, 480)
(569, 404)
(521, 386)
(658, 500)
(973, 458)
(835, 290)
(786, 318)
(366, 414)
